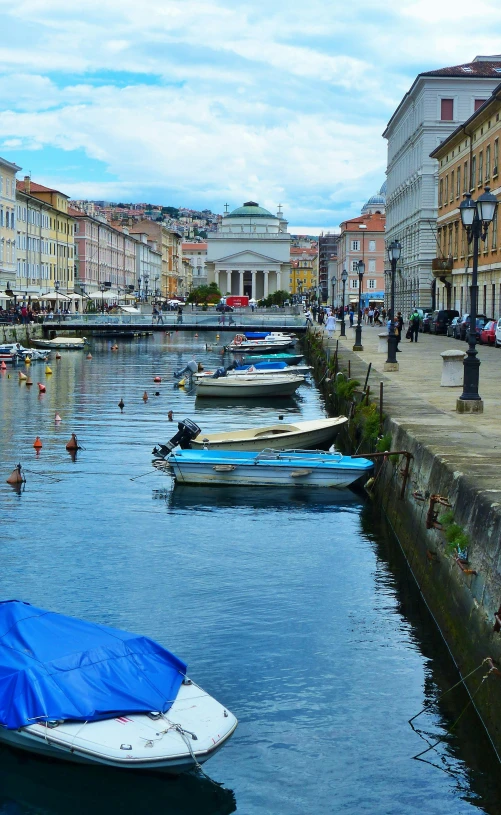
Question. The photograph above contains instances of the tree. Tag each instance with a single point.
(172, 211)
(278, 298)
(205, 294)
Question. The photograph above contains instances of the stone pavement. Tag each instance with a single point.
(470, 444)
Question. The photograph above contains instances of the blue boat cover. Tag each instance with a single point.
(264, 366)
(57, 667)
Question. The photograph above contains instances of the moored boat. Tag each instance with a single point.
(261, 369)
(280, 436)
(290, 359)
(250, 386)
(91, 694)
(269, 344)
(66, 343)
(303, 468)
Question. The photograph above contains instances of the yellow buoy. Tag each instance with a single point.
(22, 376)
(181, 383)
(27, 360)
(48, 370)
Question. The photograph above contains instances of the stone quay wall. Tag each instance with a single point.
(20, 333)
(448, 520)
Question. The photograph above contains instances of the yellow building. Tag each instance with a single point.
(304, 270)
(468, 162)
(169, 245)
(61, 235)
(33, 243)
(8, 264)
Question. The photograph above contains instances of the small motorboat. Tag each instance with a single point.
(280, 436)
(91, 694)
(62, 343)
(302, 468)
(22, 353)
(248, 386)
(260, 369)
(269, 344)
(290, 359)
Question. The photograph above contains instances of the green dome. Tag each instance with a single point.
(250, 209)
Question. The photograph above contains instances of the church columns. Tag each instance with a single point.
(241, 285)
(279, 281)
(228, 282)
(254, 275)
(266, 281)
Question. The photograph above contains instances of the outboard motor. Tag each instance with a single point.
(187, 431)
(191, 368)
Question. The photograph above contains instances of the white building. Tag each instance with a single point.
(435, 105)
(8, 259)
(250, 252)
(196, 253)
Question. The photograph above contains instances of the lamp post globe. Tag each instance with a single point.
(475, 217)
(344, 278)
(358, 331)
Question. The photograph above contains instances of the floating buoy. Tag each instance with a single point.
(73, 443)
(57, 418)
(58, 355)
(16, 477)
(27, 360)
(196, 336)
(3, 366)
(145, 397)
(114, 347)
(157, 393)
(280, 417)
(170, 416)
(89, 356)
(217, 336)
(29, 381)
(37, 444)
(157, 379)
(22, 376)
(48, 370)
(41, 387)
(181, 383)
(121, 404)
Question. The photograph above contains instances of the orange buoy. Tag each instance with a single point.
(57, 418)
(16, 477)
(58, 355)
(29, 381)
(37, 444)
(170, 416)
(3, 366)
(89, 356)
(121, 404)
(145, 397)
(157, 379)
(73, 443)
(41, 387)
(22, 376)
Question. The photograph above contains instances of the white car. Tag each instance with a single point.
(497, 341)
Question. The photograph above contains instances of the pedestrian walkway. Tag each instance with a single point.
(414, 399)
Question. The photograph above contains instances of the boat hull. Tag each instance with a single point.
(248, 387)
(275, 469)
(259, 347)
(308, 438)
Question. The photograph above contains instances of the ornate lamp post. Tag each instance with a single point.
(102, 289)
(476, 217)
(358, 332)
(56, 286)
(333, 283)
(394, 252)
(344, 278)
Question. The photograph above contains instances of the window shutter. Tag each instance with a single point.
(447, 110)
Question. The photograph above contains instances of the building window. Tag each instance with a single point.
(487, 162)
(465, 177)
(473, 182)
(372, 265)
(452, 186)
(495, 158)
(371, 284)
(478, 103)
(355, 246)
(447, 110)
(480, 168)
(458, 181)
(372, 246)
(446, 196)
(441, 192)
(456, 235)
(353, 284)
(494, 243)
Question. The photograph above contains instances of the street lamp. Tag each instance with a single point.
(476, 217)
(102, 289)
(333, 283)
(394, 252)
(358, 332)
(344, 278)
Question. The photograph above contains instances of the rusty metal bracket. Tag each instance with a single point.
(432, 515)
(404, 473)
(493, 668)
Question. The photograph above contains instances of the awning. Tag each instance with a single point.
(109, 294)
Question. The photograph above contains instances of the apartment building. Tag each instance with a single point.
(8, 259)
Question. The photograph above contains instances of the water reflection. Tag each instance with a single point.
(40, 785)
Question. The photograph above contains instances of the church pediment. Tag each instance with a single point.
(246, 257)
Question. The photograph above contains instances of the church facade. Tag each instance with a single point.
(250, 253)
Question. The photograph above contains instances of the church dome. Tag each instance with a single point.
(376, 203)
(250, 209)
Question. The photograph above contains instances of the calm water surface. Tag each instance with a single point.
(294, 609)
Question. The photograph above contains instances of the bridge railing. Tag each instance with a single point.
(171, 319)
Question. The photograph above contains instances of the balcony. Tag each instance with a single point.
(442, 267)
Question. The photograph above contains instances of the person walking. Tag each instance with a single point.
(414, 325)
(331, 324)
(351, 316)
(399, 324)
(309, 318)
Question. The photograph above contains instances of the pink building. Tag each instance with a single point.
(104, 254)
(361, 238)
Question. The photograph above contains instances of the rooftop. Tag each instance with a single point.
(250, 209)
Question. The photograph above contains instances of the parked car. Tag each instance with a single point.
(451, 328)
(425, 322)
(224, 307)
(488, 333)
(464, 326)
(497, 339)
(441, 319)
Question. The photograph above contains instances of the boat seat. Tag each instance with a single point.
(275, 431)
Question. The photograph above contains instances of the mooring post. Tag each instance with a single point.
(380, 408)
(368, 374)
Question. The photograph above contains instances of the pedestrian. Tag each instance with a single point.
(180, 315)
(414, 325)
(371, 316)
(314, 312)
(351, 316)
(331, 324)
(309, 318)
(321, 315)
(399, 324)
(154, 315)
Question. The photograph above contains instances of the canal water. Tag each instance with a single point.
(294, 609)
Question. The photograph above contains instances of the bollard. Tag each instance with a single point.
(383, 343)
(452, 369)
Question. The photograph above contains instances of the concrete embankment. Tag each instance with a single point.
(447, 515)
(20, 333)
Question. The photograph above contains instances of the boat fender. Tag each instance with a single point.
(223, 468)
(300, 473)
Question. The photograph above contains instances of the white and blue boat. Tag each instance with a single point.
(304, 468)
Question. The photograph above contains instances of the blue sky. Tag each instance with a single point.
(203, 102)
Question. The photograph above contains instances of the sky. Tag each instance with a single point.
(199, 103)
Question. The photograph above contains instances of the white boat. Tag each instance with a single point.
(280, 436)
(67, 343)
(302, 468)
(22, 353)
(256, 370)
(272, 343)
(91, 694)
(246, 387)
